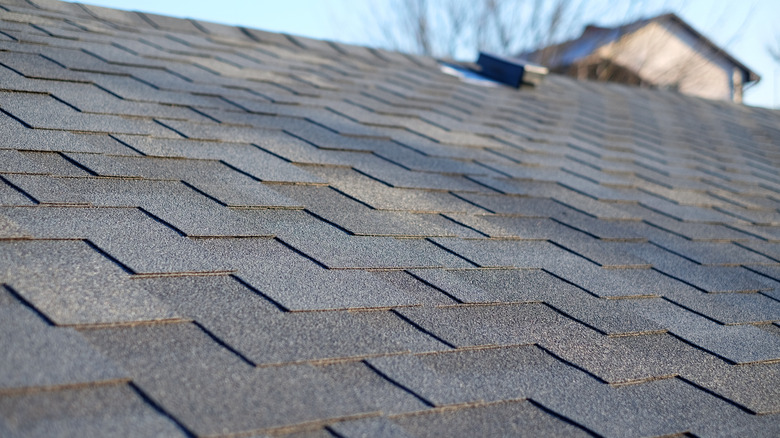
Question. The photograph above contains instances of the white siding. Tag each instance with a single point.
(665, 54)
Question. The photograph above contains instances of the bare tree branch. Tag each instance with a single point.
(446, 27)
(774, 51)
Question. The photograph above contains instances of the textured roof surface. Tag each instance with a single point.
(208, 230)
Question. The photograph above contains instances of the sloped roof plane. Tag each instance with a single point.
(217, 231)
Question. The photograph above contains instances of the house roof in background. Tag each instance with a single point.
(214, 231)
(593, 37)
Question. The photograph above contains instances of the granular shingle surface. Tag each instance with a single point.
(209, 230)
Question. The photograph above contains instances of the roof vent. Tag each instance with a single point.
(512, 72)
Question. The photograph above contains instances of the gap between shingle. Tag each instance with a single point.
(156, 406)
(224, 344)
(332, 360)
(423, 330)
(61, 387)
(398, 384)
(602, 332)
(126, 324)
(261, 294)
(571, 364)
(715, 394)
(456, 407)
(27, 195)
(562, 418)
(28, 304)
(476, 265)
(306, 426)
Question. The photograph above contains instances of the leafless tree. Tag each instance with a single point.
(774, 50)
(449, 28)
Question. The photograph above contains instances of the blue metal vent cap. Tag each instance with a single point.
(509, 71)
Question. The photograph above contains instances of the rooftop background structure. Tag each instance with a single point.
(209, 230)
(662, 51)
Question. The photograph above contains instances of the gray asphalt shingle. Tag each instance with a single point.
(512, 324)
(358, 219)
(297, 283)
(745, 385)
(208, 230)
(510, 253)
(739, 344)
(242, 156)
(9, 195)
(729, 308)
(707, 278)
(38, 67)
(253, 326)
(522, 285)
(39, 355)
(483, 375)
(115, 231)
(212, 391)
(660, 407)
(518, 418)
(336, 249)
(98, 291)
(173, 202)
(382, 197)
(83, 412)
(45, 112)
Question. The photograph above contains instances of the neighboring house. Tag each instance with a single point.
(213, 231)
(663, 51)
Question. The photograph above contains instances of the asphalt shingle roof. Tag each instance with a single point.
(214, 231)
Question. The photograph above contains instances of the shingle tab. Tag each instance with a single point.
(245, 157)
(336, 249)
(358, 219)
(185, 371)
(9, 195)
(471, 326)
(38, 67)
(739, 344)
(251, 325)
(619, 283)
(298, 283)
(708, 278)
(91, 411)
(38, 355)
(745, 385)
(510, 253)
(483, 375)
(662, 407)
(90, 99)
(710, 253)
(521, 285)
(729, 308)
(115, 231)
(171, 201)
(518, 418)
(382, 197)
(99, 291)
(44, 112)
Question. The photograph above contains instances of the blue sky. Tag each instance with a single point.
(743, 28)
